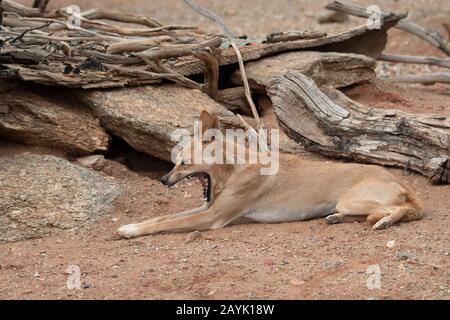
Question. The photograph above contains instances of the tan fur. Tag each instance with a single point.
(301, 190)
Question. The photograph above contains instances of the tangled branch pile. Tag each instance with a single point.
(100, 49)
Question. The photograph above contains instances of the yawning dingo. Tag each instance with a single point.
(301, 190)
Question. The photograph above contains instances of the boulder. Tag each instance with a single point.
(47, 117)
(41, 195)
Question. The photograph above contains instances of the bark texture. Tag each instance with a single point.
(328, 122)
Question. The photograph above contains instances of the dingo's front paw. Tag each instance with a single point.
(333, 219)
(129, 231)
(382, 224)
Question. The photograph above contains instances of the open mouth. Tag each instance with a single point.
(205, 180)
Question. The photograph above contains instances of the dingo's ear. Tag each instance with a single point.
(209, 121)
(215, 123)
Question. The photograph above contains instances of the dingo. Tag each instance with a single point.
(301, 190)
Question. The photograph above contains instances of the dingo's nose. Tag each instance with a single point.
(164, 179)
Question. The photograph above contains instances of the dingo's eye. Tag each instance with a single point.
(182, 162)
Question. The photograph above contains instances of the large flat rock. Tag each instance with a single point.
(42, 195)
(145, 117)
(325, 68)
(47, 117)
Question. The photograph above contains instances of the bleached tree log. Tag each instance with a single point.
(328, 122)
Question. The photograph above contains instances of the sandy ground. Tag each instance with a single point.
(303, 260)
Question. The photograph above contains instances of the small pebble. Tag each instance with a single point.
(390, 244)
(297, 283)
(193, 236)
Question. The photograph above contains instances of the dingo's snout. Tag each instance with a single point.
(165, 179)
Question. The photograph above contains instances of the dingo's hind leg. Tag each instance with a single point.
(409, 211)
(381, 203)
(351, 210)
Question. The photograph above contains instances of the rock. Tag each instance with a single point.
(52, 118)
(297, 283)
(54, 195)
(405, 255)
(193, 236)
(325, 68)
(390, 244)
(145, 117)
(96, 162)
(333, 17)
(211, 293)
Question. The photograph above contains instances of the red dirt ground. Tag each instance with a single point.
(302, 260)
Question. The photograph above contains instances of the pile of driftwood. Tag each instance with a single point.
(158, 77)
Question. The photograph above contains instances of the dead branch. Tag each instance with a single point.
(96, 14)
(43, 54)
(181, 50)
(212, 16)
(427, 79)
(414, 59)
(216, 19)
(137, 45)
(211, 74)
(293, 35)
(431, 36)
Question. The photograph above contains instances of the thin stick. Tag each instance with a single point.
(414, 59)
(216, 19)
(427, 79)
(212, 16)
(247, 91)
(28, 30)
(170, 74)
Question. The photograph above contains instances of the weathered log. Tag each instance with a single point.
(326, 68)
(328, 122)
(40, 116)
(145, 117)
